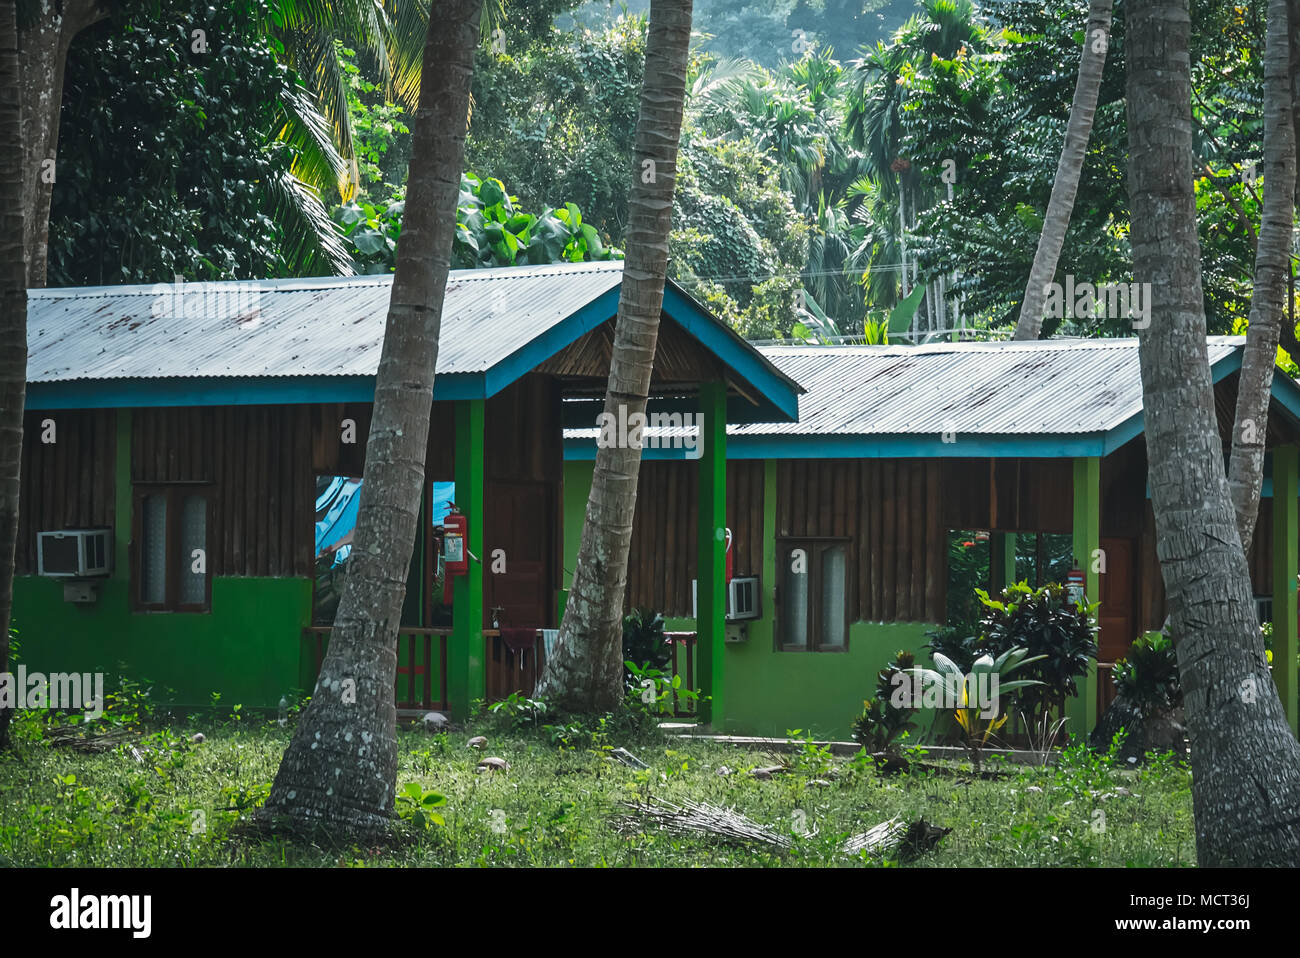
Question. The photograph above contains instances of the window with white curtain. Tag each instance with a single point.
(814, 578)
(171, 565)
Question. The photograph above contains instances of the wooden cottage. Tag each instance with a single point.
(207, 438)
(908, 463)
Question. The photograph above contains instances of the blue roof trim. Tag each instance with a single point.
(536, 351)
(781, 391)
(1133, 427)
(802, 446)
(777, 394)
(202, 391)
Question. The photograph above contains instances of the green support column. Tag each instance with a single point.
(711, 588)
(1082, 711)
(465, 652)
(1285, 471)
(1002, 560)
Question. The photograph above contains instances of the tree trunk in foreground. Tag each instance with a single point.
(1272, 268)
(45, 39)
(1245, 761)
(13, 325)
(586, 671)
(340, 770)
(1056, 221)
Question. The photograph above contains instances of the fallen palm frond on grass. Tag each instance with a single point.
(701, 818)
(75, 737)
(893, 836)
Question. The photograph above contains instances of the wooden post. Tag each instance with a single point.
(711, 588)
(1088, 557)
(123, 498)
(466, 655)
(1286, 467)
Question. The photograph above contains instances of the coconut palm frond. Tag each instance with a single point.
(311, 137)
(310, 243)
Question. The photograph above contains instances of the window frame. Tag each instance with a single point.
(815, 546)
(174, 495)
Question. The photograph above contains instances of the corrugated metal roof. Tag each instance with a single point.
(286, 328)
(1051, 387)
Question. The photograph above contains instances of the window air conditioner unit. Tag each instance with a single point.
(742, 599)
(74, 553)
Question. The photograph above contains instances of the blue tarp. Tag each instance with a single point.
(336, 513)
(336, 516)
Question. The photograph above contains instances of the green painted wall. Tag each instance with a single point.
(770, 692)
(248, 648)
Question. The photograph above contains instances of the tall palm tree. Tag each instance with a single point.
(340, 770)
(1245, 761)
(13, 324)
(1272, 269)
(586, 672)
(1096, 40)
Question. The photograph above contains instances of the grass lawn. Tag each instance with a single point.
(175, 804)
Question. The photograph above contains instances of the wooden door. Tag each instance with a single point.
(518, 576)
(1116, 617)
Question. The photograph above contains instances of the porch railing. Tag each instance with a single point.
(682, 645)
(415, 665)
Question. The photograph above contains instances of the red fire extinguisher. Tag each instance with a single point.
(730, 556)
(455, 551)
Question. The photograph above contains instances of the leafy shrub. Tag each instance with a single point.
(1060, 634)
(881, 724)
(1148, 675)
(644, 644)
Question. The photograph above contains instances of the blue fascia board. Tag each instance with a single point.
(878, 447)
(1135, 425)
(750, 364)
(241, 391)
(536, 351)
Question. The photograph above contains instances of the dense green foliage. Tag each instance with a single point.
(1147, 676)
(170, 160)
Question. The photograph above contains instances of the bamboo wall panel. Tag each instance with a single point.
(258, 463)
(69, 483)
(892, 511)
(663, 556)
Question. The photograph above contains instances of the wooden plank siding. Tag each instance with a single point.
(257, 461)
(891, 511)
(69, 483)
(662, 558)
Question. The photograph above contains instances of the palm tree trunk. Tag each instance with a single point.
(586, 671)
(1245, 761)
(1272, 269)
(45, 38)
(13, 325)
(340, 769)
(1096, 39)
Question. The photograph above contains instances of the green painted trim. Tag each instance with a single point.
(466, 654)
(1002, 560)
(1286, 469)
(122, 498)
(1087, 547)
(711, 599)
